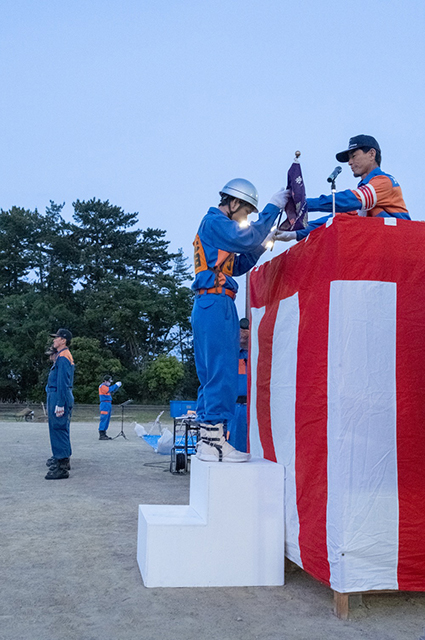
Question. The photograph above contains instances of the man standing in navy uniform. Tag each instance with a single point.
(59, 405)
(105, 397)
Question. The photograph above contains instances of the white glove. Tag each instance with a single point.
(281, 198)
(285, 236)
(59, 411)
(118, 384)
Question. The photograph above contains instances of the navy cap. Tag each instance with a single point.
(244, 323)
(62, 333)
(356, 143)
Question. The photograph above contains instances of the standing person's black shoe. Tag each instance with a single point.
(103, 436)
(59, 470)
(51, 462)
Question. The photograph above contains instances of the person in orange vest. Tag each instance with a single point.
(226, 246)
(106, 389)
(237, 428)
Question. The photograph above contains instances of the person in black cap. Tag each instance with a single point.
(59, 406)
(377, 193)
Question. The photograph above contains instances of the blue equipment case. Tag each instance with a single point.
(181, 407)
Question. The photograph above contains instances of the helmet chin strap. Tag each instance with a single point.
(232, 213)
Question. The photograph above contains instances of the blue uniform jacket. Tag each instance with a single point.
(377, 194)
(61, 379)
(105, 392)
(218, 241)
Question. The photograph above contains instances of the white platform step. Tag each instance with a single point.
(231, 533)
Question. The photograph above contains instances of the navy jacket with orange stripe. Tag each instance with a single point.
(105, 392)
(61, 377)
(377, 193)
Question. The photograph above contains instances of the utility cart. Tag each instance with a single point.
(185, 437)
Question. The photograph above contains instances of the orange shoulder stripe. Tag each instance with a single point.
(67, 354)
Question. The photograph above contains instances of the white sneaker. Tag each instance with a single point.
(213, 446)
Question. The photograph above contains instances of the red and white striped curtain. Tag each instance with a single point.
(337, 395)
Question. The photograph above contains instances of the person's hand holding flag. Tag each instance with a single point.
(284, 236)
(281, 198)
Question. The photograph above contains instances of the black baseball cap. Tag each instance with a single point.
(62, 333)
(244, 323)
(356, 143)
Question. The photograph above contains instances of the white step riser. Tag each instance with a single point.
(231, 534)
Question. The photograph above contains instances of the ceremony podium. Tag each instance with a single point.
(337, 396)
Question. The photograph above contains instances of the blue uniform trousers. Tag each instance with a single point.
(105, 415)
(59, 427)
(238, 428)
(215, 327)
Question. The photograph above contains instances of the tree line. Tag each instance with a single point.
(118, 288)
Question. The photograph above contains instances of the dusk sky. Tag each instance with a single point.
(155, 104)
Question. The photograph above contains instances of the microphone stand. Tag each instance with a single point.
(335, 173)
(333, 191)
(121, 433)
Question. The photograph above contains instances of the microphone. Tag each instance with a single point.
(334, 174)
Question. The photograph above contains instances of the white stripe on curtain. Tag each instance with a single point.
(362, 512)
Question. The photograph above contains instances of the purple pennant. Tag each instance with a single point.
(296, 208)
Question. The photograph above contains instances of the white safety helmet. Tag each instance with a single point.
(242, 189)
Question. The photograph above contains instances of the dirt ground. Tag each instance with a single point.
(69, 569)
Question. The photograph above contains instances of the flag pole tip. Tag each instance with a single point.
(297, 154)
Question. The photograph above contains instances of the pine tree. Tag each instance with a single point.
(107, 246)
(17, 236)
(58, 253)
(110, 283)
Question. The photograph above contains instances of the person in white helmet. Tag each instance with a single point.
(225, 246)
